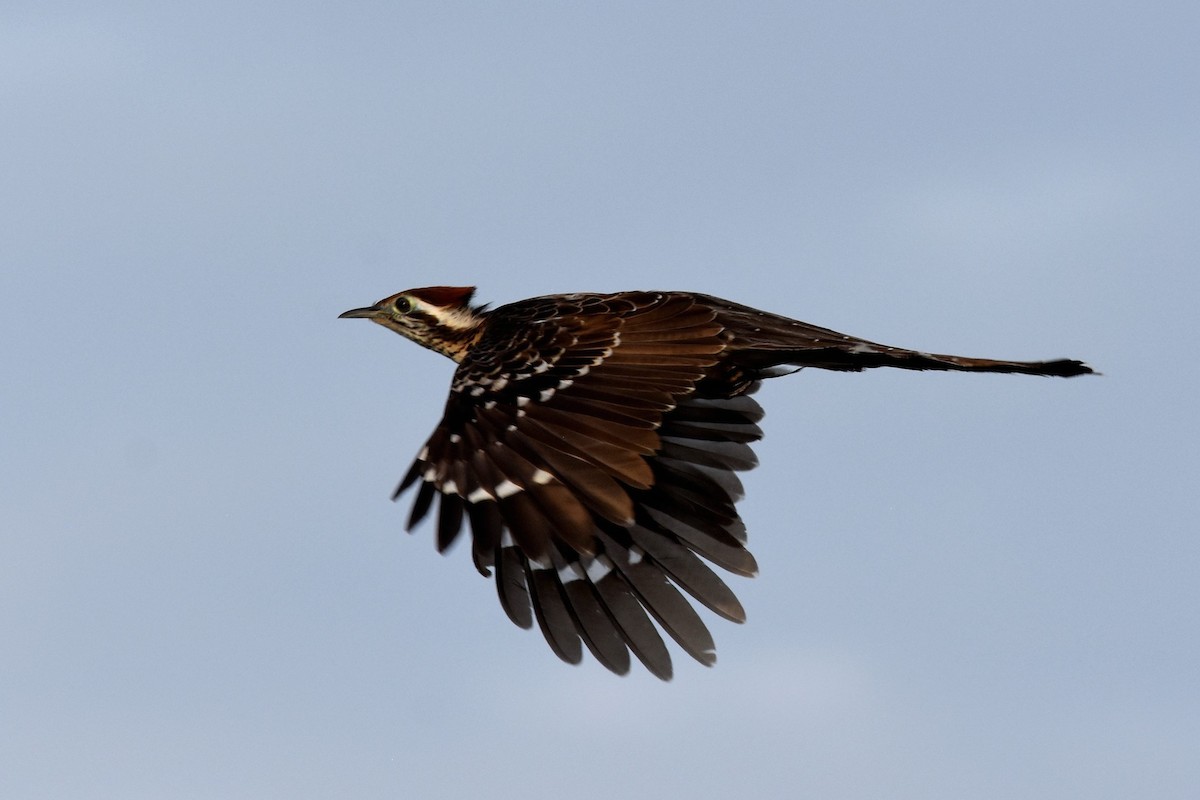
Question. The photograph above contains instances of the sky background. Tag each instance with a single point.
(971, 586)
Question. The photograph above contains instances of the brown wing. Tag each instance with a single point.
(595, 467)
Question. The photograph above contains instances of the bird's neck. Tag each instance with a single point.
(455, 331)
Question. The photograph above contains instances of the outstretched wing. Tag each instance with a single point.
(595, 463)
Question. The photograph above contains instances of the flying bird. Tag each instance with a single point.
(592, 442)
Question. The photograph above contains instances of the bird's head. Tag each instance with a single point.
(438, 317)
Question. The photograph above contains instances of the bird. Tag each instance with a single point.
(592, 444)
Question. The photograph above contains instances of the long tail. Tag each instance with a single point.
(763, 341)
(864, 355)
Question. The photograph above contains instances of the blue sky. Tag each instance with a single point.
(971, 586)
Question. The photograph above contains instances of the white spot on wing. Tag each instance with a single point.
(598, 568)
(592, 569)
(506, 488)
(571, 572)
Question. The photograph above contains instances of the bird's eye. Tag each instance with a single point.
(402, 305)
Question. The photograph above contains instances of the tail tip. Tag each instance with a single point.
(1068, 368)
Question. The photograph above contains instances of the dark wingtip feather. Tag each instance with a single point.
(596, 627)
(557, 624)
(420, 506)
(450, 515)
(673, 612)
(409, 478)
(511, 587)
(636, 629)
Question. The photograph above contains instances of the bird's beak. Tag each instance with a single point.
(369, 312)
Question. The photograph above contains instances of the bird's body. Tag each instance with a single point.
(592, 442)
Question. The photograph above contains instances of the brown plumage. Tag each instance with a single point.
(592, 441)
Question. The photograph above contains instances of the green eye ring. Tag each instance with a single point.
(402, 305)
